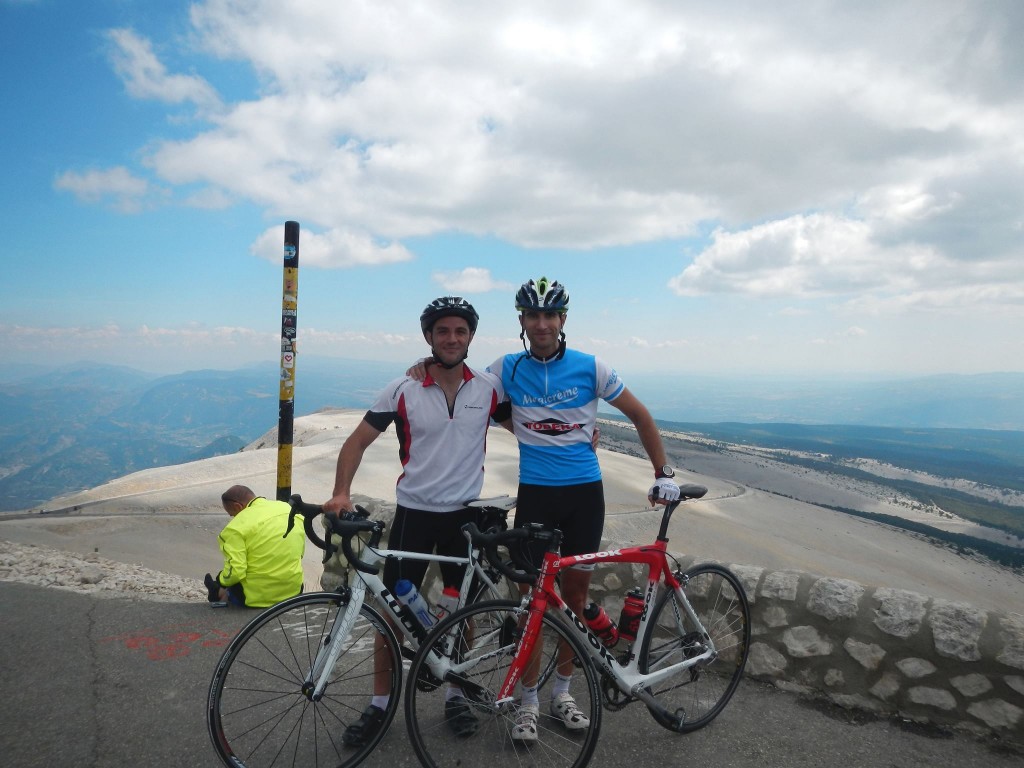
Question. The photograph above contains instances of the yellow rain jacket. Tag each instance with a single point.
(268, 567)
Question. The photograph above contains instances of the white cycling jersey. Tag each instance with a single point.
(554, 411)
(441, 450)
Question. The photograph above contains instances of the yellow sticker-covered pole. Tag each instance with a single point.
(289, 330)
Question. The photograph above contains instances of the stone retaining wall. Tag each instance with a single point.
(888, 651)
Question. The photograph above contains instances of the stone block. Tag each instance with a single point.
(1011, 635)
(765, 661)
(781, 585)
(956, 629)
(748, 575)
(887, 687)
(899, 612)
(932, 697)
(915, 668)
(996, 713)
(1015, 682)
(804, 642)
(868, 655)
(775, 616)
(835, 598)
(971, 686)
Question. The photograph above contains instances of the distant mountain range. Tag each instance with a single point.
(75, 427)
(981, 401)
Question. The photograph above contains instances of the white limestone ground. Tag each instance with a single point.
(91, 574)
(167, 518)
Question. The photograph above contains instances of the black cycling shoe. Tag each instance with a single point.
(212, 589)
(365, 728)
(460, 717)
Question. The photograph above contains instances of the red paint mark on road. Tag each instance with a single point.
(174, 641)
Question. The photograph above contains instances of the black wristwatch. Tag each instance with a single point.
(665, 471)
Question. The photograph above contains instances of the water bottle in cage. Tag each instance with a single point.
(629, 621)
(407, 593)
(600, 624)
(448, 603)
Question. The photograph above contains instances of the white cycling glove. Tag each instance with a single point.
(664, 489)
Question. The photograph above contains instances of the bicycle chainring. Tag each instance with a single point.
(427, 681)
(614, 699)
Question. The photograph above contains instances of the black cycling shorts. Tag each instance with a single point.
(416, 530)
(576, 510)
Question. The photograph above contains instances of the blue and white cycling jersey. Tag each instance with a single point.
(554, 411)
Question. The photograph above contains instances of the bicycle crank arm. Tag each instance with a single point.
(673, 721)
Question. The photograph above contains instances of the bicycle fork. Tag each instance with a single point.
(331, 646)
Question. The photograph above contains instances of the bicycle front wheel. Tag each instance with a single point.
(695, 696)
(262, 709)
(479, 643)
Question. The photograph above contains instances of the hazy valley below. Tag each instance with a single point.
(76, 428)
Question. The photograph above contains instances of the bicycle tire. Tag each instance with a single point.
(697, 695)
(258, 713)
(495, 627)
(504, 589)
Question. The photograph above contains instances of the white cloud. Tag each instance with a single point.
(145, 76)
(831, 154)
(336, 248)
(117, 187)
(802, 256)
(470, 280)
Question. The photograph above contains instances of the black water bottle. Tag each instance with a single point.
(600, 624)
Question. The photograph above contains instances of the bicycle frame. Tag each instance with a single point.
(408, 625)
(626, 676)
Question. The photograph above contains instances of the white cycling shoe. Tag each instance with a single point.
(564, 708)
(525, 729)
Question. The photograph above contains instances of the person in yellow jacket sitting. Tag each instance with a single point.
(262, 566)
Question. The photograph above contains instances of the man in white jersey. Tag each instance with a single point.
(441, 424)
(553, 394)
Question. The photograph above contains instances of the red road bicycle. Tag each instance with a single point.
(684, 665)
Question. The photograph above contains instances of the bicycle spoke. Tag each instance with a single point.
(697, 694)
(261, 705)
(483, 659)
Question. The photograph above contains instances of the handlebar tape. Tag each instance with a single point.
(344, 527)
(489, 543)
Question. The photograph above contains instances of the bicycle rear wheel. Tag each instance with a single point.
(260, 709)
(484, 637)
(698, 694)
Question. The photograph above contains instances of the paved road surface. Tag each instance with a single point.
(110, 682)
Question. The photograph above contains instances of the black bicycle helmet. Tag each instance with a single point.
(449, 306)
(543, 295)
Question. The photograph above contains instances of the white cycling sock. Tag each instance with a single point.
(530, 696)
(381, 702)
(561, 685)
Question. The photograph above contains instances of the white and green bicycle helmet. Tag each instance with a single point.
(542, 295)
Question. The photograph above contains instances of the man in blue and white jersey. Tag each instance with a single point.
(553, 394)
(441, 423)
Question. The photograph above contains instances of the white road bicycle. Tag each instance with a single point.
(299, 673)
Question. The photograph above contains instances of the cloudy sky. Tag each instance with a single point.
(823, 188)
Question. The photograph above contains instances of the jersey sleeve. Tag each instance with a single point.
(609, 385)
(385, 408)
(496, 367)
